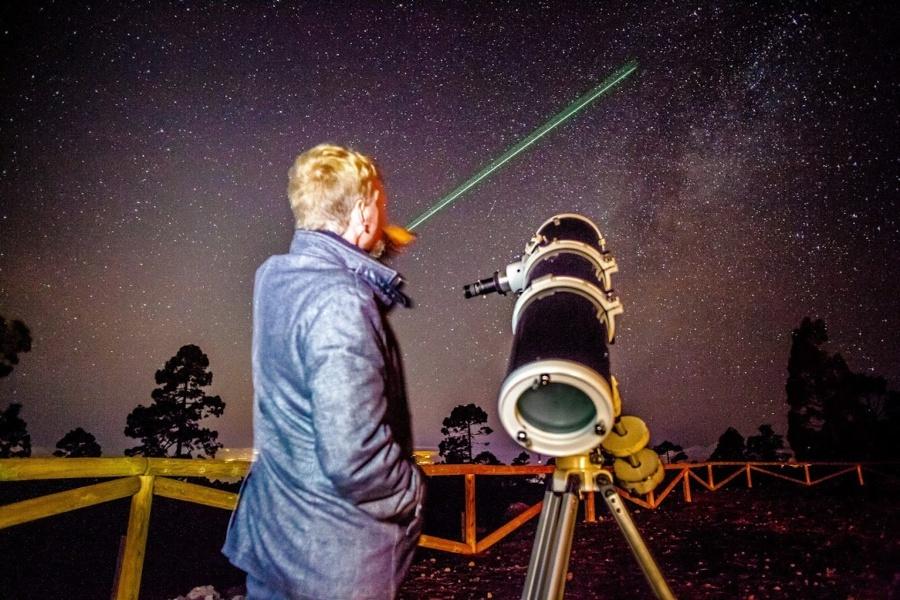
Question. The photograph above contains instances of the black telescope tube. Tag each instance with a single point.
(563, 325)
(557, 330)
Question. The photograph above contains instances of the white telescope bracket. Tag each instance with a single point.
(604, 264)
(539, 240)
(607, 303)
(538, 249)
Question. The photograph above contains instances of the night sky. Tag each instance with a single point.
(745, 176)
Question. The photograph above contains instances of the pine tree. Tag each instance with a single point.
(460, 429)
(835, 413)
(730, 447)
(523, 458)
(673, 452)
(15, 338)
(15, 442)
(767, 445)
(486, 458)
(170, 426)
(76, 444)
(813, 379)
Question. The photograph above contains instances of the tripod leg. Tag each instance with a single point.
(634, 539)
(559, 558)
(543, 539)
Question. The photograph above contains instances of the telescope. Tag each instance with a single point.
(559, 397)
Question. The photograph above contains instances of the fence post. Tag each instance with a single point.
(749, 479)
(806, 478)
(709, 477)
(686, 484)
(859, 474)
(118, 573)
(136, 541)
(470, 512)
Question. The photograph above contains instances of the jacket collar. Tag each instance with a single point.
(383, 280)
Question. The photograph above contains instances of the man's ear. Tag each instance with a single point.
(358, 214)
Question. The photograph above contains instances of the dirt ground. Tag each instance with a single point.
(772, 541)
(776, 540)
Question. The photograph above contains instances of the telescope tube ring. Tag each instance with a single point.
(604, 264)
(539, 238)
(608, 306)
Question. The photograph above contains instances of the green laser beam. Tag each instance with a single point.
(570, 111)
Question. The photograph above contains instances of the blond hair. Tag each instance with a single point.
(326, 182)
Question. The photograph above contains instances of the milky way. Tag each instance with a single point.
(745, 177)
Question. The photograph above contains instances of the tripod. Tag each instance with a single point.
(549, 562)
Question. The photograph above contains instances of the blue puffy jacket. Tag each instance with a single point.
(331, 508)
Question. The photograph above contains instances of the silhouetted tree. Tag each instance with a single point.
(673, 452)
(888, 445)
(486, 458)
(813, 378)
(835, 413)
(864, 421)
(76, 444)
(172, 422)
(14, 439)
(15, 338)
(460, 429)
(731, 446)
(767, 445)
(523, 458)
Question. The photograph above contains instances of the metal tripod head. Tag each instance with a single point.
(549, 561)
(590, 474)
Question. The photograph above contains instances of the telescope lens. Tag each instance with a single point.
(556, 408)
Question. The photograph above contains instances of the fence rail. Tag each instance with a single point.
(142, 478)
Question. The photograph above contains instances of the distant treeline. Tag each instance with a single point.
(833, 413)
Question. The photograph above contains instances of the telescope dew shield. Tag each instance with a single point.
(556, 407)
(556, 398)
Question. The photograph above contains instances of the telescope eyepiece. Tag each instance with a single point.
(509, 281)
(488, 285)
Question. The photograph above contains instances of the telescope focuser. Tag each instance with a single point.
(510, 281)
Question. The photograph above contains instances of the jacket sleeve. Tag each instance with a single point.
(343, 354)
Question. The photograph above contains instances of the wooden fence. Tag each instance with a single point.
(142, 478)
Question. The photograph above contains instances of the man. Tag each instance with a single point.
(331, 508)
